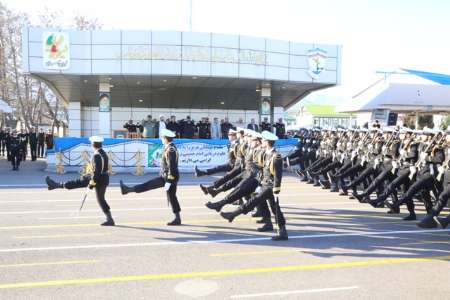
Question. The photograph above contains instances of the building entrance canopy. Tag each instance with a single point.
(165, 69)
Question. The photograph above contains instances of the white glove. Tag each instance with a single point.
(441, 169)
(167, 186)
(383, 148)
(370, 147)
(423, 156)
(394, 165)
(412, 170)
(258, 190)
(360, 143)
(402, 152)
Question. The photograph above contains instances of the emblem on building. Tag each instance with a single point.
(56, 50)
(316, 62)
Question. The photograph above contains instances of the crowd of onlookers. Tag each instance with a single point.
(203, 129)
(24, 142)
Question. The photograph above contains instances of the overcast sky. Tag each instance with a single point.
(375, 34)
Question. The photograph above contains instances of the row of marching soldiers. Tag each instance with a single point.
(253, 171)
(383, 168)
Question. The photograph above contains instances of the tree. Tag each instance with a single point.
(33, 101)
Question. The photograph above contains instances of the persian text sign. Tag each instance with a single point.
(55, 50)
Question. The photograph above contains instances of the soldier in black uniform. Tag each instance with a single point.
(246, 182)
(41, 143)
(2, 142)
(204, 130)
(15, 148)
(280, 129)
(172, 125)
(33, 140)
(97, 178)
(241, 146)
(232, 148)
(23, 137)
(265, 125)
(424, 180)
(187, 128)
(7, 144)
(443, 177)
(409, 155)
(270, 185)
(168, 176)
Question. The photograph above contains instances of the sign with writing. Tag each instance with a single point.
(55, 50)
(195, 152)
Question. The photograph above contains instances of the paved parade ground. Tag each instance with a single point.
(338, 248)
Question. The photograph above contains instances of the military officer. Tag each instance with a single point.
(270, 186)
(168, 176)
(97, 178)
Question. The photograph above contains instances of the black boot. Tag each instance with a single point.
(217, 206)
(199, 173)
(231, 215)
(394, 210)
(443, 221)
(263, 221)
(282, 234)
(204, 189)
(428, 222)
(359, 197)
(51, 184)
(325, 184)
(213, 192)
(411, 217)
(124, 189)
(257, 214)
(176, 221)
(109, 220)
(266, 227)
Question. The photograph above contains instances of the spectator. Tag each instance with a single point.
(376, 124)
(204, 131)
(32, 139)
(239, 123)
(280, 129)
(253, 126)
(161, 125)
(49, 140)
(188, 128)
(173, 126)
(215, 129)
(139, 128)
(149, 126)
(41, 143)
(226, 126)
(265, 125)
(130, 126)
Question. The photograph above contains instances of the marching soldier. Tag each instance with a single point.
(168, 176)
(270, 186)
(98, 178)
(232, 149)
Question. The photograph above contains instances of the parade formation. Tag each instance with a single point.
(387, 167)
(395, 165)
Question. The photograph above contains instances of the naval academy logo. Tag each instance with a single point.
(316, 62)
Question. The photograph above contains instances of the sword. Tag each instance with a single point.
(84, 199)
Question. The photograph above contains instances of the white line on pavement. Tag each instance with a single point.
(216, 241)
(284, 293)
(29, 212)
